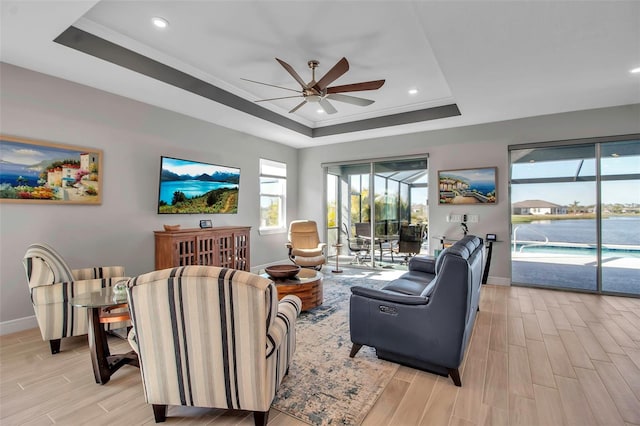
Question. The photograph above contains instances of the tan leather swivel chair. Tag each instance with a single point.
(305, 248)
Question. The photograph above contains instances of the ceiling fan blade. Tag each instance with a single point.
(293, 73)
(298, 106)
(275, 99)
(338, 69)
(267, 84)
(356, 87)
(350, 99)
(327, 107)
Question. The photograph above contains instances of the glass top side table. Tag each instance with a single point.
(100, 305)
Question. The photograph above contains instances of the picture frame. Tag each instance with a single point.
(467, 186)
(39, 172)
(206, 224)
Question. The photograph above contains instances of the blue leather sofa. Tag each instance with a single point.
(423, 319)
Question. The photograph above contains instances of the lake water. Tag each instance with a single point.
(624, 230)
(190, 188)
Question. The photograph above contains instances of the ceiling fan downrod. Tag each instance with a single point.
(313, 64)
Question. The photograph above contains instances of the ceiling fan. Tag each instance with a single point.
(319, 91)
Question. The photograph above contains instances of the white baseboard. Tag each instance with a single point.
(20, 324)
(498, 281)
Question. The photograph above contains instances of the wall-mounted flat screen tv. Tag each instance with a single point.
(189, 187)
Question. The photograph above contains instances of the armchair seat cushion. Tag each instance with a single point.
(306, 252)
(310, 261)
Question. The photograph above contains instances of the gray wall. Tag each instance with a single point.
(132, 136)
(467, 147)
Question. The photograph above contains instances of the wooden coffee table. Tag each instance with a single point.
(307, 285)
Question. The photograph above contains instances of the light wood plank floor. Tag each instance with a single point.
(537, 357)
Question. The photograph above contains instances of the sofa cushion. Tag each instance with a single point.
(429, 289)
(421, 277)
(405, 286)
(423, 264)
(471, 242)
(460, 250)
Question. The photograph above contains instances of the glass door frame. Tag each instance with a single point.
(339, 196)
(597, 143)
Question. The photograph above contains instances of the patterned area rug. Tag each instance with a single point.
(324, 385)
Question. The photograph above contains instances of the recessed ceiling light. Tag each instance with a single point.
(635, 71)
(413, 91)
(319, 111)
(160, 22)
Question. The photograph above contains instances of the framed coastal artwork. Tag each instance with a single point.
(49, 173)
(467, 186)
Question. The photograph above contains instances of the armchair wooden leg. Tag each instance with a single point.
(260, 418)
(354, 350)
(55, 346)
(455, 376)
(159, 412)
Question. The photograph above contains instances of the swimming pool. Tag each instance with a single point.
(578, 249)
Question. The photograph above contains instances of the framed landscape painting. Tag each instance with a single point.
(467, 186)
(49, 173)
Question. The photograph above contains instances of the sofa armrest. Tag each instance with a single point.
(423, 264)
(389, 296)
(98, 272)
(285, 323)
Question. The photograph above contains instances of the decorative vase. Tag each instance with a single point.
(120, 290)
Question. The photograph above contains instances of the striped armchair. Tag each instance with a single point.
(211, 337)
(52, 283)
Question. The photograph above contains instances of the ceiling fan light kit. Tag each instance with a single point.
(319, 92)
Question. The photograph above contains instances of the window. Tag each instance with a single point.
(273, 196)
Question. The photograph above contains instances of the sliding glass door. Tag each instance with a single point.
(372, 200)
(576, 216)
(620, 206)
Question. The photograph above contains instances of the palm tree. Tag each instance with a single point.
(574, 206)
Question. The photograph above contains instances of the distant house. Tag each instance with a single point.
(538, 207)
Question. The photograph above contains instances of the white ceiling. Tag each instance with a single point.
(496, 60)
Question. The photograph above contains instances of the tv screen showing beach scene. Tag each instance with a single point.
(191, 187)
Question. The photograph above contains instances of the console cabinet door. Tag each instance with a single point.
(207, 253)
(227, 247)
(185, 252)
